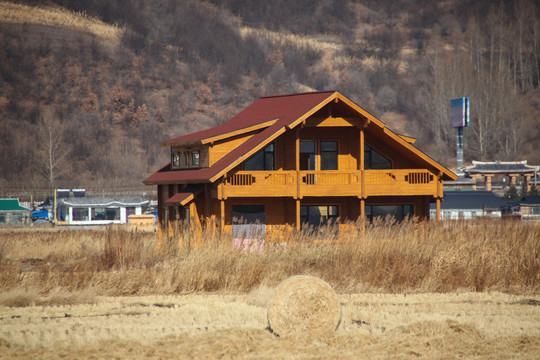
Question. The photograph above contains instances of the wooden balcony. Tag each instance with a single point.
(392, 182)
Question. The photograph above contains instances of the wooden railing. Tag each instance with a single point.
(331, 183)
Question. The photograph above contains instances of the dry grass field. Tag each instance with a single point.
(449, 290)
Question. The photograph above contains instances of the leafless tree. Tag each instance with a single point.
(52, 148)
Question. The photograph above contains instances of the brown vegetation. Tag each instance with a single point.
(122, 76)
(407, 257)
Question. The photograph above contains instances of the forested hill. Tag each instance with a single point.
(89, 88)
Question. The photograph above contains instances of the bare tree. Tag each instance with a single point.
(52, 148)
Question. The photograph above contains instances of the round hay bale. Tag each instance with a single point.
(303, 305)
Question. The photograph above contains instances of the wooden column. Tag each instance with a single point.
(438, 210)
(362, 208)
(297, 162)
(361, 162)
(361, 166)
(487, 183)
(160, 217)
(297, 214)
(207, 211)
(526, 183)
(222, 214)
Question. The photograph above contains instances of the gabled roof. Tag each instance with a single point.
(272, 115)
(500, 167)
(11, 205)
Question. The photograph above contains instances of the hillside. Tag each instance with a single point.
(90, 88)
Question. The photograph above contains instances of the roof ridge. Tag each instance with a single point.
(296, 94)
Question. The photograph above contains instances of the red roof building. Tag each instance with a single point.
(297, 159)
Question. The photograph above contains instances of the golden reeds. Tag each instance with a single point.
(383, 257)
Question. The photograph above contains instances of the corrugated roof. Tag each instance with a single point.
(281, 113)
(104, 201)
(473, 200)
(531, 200)
(500, 167)
(11, 205)
(261, 111)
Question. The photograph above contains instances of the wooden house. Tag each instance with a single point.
(296, 159)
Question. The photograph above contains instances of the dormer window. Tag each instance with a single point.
(195, 159)
(175, 160)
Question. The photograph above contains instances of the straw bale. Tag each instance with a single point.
(303, 305)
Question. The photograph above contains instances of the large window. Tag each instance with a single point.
(262, 160)
(307, 155)
(329, 155)
(398, 212)
(375, 160)
(80, 214)
(317, 215)
(100, 213)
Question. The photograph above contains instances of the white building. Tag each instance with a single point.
(98, 211)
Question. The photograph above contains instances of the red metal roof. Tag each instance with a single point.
(262, 110)
(185, 194)
(285, 108)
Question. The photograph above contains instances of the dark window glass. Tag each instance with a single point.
(307, 155)
(112, 214)
(317, 215)
(375, 160)
(98, 213)
(195, 159)
(80, 214)
(262, 160)
(329, 155)
(398, 212)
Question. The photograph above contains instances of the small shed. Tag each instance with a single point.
(12, 213)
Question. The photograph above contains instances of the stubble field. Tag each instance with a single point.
(406, 291)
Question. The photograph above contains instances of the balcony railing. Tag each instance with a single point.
(331, 183)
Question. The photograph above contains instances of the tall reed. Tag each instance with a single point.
(384, 257)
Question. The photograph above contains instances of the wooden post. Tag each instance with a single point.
(297, 162)
(361, 163)
(487, 186)
(207, 211)
(438, 209)
(160, 217)
(222, 214)
(297, 214)
(362, 208)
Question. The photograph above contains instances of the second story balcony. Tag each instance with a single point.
(391, 182)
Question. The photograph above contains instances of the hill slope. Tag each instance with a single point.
(112, 78)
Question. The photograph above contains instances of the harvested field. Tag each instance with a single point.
(463, 289)
(376, 326)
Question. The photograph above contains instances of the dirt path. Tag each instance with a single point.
(234, 326)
